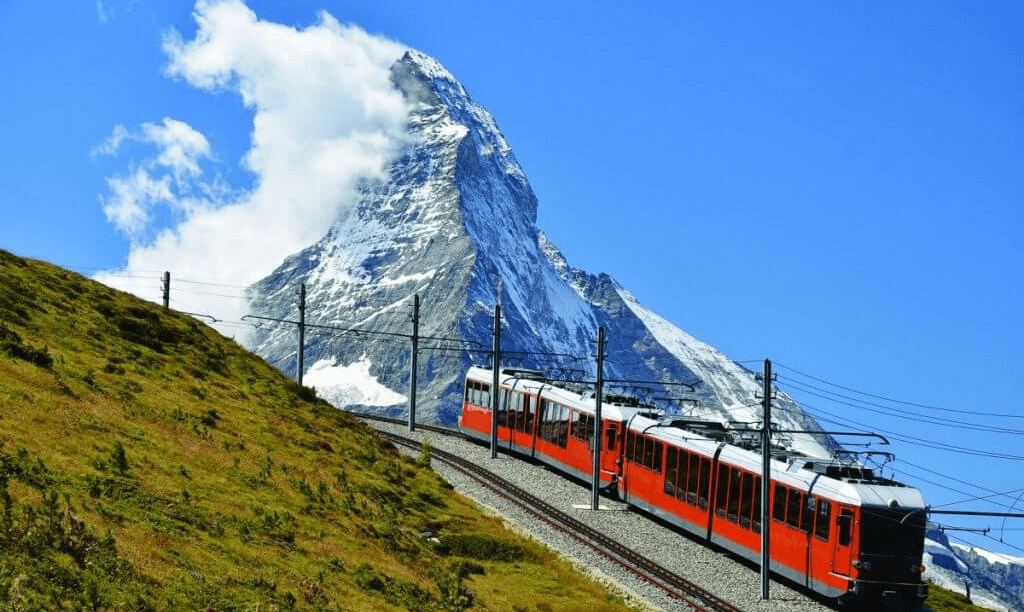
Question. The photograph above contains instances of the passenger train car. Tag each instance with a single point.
(837, 528)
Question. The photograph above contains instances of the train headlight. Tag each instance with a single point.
(863, 565)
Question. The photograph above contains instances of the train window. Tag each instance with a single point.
(671, 473)
(684, 475)
(503, 407)
(524, 420)
(484, 394)
(735, 482)
(583, 426)
(543, 420)
(563, 426)
(756, 519)
(545, 417)
(705, 483)
(722, 486)
(548, 421)
(746, 499)
(810, 506)
(656, 466)
(648, 460)
(692, 476)
(779, 507)
(610, 435)
(821, 527)
(793, 508)
(845, 523)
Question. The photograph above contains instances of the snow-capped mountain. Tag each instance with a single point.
(996, 581)
(456, 223)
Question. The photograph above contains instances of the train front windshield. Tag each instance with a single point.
(892, 533)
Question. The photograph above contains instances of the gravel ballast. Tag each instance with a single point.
(715, 571)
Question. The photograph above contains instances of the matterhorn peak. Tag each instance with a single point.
(454, 223)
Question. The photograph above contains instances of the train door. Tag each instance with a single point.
(610, 450)
(844, 541)
(538, 421)
(531, 409)
(520, 420)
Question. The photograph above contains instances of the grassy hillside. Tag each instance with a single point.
(148, 463)
(942, 600)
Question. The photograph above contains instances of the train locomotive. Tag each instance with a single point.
(837, 528)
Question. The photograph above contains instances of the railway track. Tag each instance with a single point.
(671, 583)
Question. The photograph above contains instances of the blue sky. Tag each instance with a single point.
(834, 186)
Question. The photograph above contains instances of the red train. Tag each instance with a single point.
(838, 529)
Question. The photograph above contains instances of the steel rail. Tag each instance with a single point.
(671, 583)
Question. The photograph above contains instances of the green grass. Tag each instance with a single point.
(148, 463)
(942, 600)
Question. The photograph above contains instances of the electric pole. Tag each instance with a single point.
(766, 467)
(167, 290)
(594, 501)
(415, 348)
(302, 329)
(496, 381)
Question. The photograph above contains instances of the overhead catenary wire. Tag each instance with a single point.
(212, 284)
(960, 481)
(904, 402)
(981, 498)
(902, 414)
(923, 442)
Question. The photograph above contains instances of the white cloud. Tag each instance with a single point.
(325, 117)
(133, 196)
(101, 12)
(131, 199)
(181, 147)
(111, 145)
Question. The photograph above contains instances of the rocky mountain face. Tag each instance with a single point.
(996, 581)
(455, 223)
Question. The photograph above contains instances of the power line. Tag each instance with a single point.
(235, 296)
(900, 414)
(211, 284)
(981, 498)
(933, 444)
(906, 403)
(957, 480)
